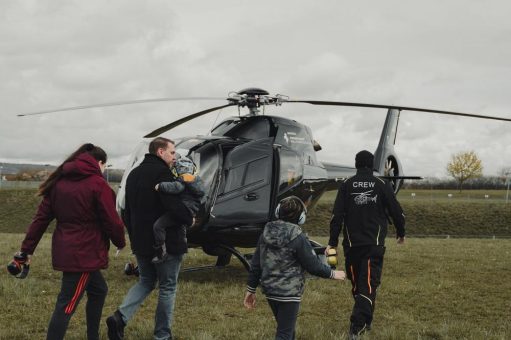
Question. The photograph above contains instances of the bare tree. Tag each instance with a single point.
(464, 166)
(505, 172)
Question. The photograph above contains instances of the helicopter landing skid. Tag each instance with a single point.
(224, 259)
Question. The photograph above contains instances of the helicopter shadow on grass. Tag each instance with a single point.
(212, 275)
(201, 271)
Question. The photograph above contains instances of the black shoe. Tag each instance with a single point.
(161, 254)
(115, 326)
(355, 332)
(156, 259)
(352, 336)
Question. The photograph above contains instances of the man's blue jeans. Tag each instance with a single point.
(166, 274)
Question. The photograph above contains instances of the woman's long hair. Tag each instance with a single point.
(95, 151)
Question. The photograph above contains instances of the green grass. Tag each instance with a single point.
(495, 196)
(433, 213)
(429, 213)
(456, 218)
(17, 208)
(431, 289)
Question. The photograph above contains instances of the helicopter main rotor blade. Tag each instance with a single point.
(184, 120)
(406, 108)
(126, 102)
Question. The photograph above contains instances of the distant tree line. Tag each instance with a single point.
(466, 170)
(114, 175)
(484, 182)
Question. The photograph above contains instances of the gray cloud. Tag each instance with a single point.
(451, 55)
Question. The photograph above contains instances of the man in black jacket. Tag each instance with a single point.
(144, 205)
(361, 209)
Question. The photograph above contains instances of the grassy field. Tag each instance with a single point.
(17, 208)
(430, 212)
(431, 289)
(494, 196)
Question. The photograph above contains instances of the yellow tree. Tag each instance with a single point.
(464, 166)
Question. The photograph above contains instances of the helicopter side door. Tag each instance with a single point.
(244, 196)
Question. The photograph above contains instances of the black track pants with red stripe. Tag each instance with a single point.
(364, 268)
(73, 287)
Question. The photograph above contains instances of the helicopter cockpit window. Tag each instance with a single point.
(298, 139)
(291, 169)
(205, 158)
(250, 129)
(184, 147)
(226, 125)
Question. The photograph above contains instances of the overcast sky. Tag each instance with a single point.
(448, 55)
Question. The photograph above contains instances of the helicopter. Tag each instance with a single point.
(248, 163)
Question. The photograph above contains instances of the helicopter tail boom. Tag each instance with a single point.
(386, 162)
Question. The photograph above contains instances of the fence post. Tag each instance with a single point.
(507, 191)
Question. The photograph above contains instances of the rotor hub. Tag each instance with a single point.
(253, 98)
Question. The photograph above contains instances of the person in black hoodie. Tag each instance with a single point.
(282, 256)
(361, 210)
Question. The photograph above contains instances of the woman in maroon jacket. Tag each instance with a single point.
(81, 201)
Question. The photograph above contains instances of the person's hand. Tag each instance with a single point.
(339, 275)
(250, 300)
(157, 186)
(401, 240)
(19, 266)
(328, 248)
(21, 257)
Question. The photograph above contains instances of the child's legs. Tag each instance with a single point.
(183, 216)
(160, 228)
(285, 314)
(180, 213)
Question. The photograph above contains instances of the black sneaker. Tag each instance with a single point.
(161, 254)
(355, 332)
(353, 336)
(115, 326)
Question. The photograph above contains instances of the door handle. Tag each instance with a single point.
(251, 197)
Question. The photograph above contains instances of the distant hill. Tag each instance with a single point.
(10, 169)
(15, 168)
